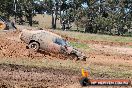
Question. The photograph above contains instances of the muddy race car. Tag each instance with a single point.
(50, 42)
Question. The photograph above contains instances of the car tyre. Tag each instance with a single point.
(84, 82)
(73, 57)
(34, 46)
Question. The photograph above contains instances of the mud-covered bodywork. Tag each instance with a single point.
(50, 42)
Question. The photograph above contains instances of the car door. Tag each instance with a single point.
(53, 46)
(44, 41)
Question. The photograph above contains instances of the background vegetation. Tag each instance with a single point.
(112, 17)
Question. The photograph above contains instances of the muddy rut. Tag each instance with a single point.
(20, 76)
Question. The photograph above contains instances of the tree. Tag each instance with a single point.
(105, 14)
(6, 8)
(17, 8)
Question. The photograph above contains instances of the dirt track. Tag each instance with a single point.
(19, 76)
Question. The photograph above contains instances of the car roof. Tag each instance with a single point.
(43, 31)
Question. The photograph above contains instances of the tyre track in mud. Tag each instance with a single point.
(46, 77)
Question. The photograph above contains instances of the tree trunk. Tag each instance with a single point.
(54, 18)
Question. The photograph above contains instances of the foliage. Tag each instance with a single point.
(105, 15)
(99, 16)
(6, 7)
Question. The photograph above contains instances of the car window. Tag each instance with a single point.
(60, 42)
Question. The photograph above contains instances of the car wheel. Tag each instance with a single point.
(34, 46)
(85, 82)
(73, 57)
(2, 25)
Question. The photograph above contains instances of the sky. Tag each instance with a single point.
(83, 5)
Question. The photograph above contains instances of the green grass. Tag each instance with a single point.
(110, 72)
(96, 37)
(79, 45)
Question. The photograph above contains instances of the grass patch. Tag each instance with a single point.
(130, 46)
(109, 72)
(95, 37)
(79, 45)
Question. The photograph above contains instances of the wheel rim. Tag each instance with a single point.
(34, 46)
